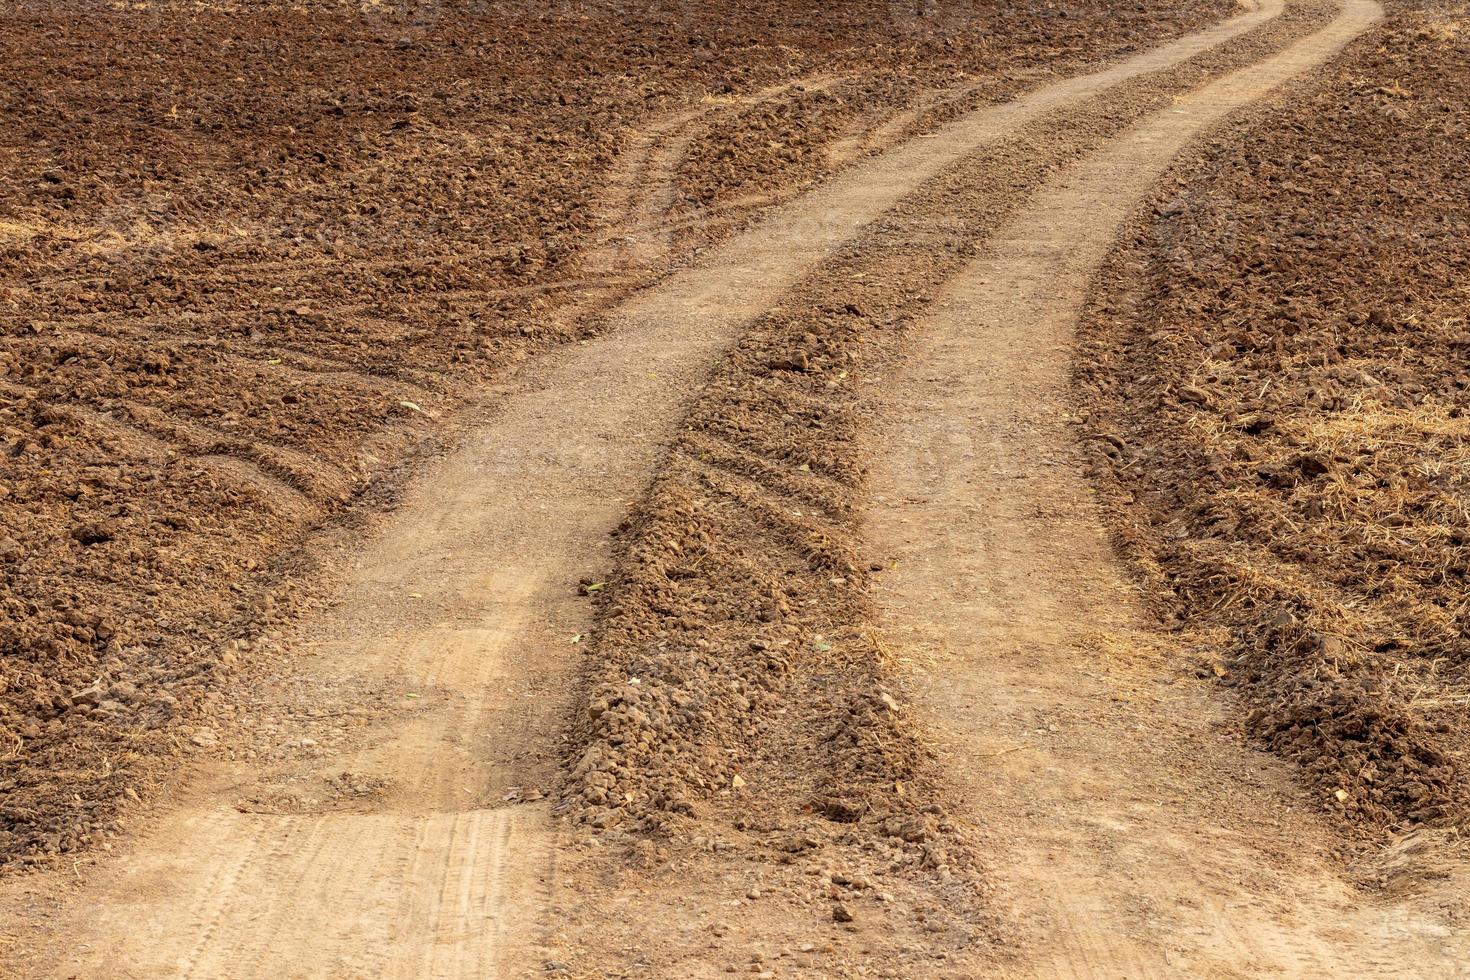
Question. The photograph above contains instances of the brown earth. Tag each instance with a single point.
(390, 821)
(1274, 389)
(239, 290)
(793, 716)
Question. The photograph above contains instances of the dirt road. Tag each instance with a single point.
(413, 840)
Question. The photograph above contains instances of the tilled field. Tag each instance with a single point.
(1276, 397)
(239, 288)
(593, 492)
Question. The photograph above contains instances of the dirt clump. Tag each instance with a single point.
(1275, 399)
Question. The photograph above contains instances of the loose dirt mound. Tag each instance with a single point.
(1277, 410)
(249, 254)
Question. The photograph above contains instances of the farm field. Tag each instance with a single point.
(803, 490)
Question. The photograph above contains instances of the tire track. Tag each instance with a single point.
(1136, 843)
(643, 188)
(244, 464)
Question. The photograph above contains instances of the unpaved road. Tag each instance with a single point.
(464, 611)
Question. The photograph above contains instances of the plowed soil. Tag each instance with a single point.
(1276, 371)
(249, 257)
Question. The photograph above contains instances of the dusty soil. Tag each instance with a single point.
(1275, 394)
(239, 290)
(419, 771)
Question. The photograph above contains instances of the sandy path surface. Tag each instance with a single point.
(1129, 838)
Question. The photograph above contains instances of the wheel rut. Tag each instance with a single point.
(1127, 838)
(463, 616)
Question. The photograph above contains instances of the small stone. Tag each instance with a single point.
(841, 913)
(912, 829)
(205, 738)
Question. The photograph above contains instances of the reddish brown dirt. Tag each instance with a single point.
(1276, 400)
(238, 290)
(748, 785)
